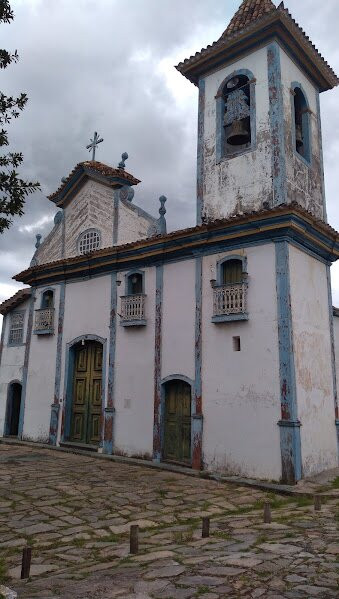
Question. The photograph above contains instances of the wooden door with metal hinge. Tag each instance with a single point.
(87, 394)
(177, 437)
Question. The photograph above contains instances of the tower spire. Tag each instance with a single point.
(249, 11)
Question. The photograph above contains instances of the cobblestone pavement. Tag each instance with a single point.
(76, 511)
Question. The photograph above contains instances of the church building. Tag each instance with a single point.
(214, 346)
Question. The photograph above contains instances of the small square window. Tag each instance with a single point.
(236, 344)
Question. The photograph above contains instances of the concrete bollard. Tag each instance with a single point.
(317, 503)
(205, 528)
(267, 513)
(134, 539)
(26, 562)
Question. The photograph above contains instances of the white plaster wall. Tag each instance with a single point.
(92, 207)
(134, 377)
(131, 226)
(178, 328)
(304, 182)
(12, 362)
(245, 182)
(240, 390)
(41, 376)
(51, 247)
(312, 355)
(336, 344)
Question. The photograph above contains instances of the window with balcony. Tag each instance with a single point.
(44, 317)
(133, 303)
(230, 290)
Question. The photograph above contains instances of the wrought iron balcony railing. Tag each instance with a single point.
(230, 302)
(44, 321)
(133, 310)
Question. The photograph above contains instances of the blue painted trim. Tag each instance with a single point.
(68, 383)
(229, 318)
(333, 356)
(63, 237)
(53, 434)
(289, 435)
(321, 157)
(220, 112)
(130, 273)
(306, 126)
(197, 421)
(3, 332)
(133, 323)
(115, 216)
(26, 363)
(228, 237)
(221, 262)
(8, 411)
(158, 399)
(201, 154)
(42, 293)
(276, 113)
(110, 410)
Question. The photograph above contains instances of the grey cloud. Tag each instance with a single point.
(93, 65)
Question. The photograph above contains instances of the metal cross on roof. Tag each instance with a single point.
(94, 143)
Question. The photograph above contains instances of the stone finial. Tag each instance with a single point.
(63, 179)
(162, 212)
(124, 157)
(38, 240)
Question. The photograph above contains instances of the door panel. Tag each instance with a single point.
(87, 394)
(177, 441)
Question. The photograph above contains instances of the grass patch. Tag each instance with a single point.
(79, 542)
(3, 571)
(304, 501)
(221, 534)
(203, 590)
(335, 483)
(183, 536)
(162, 492)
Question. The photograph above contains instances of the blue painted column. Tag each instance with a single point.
(276, 113)
(116, 193)
(158, 408)
(289, 424)
(26, 363)
(321, 156)
(2, 341)
(55, 408)
(108, 444)
(333, 363)
(200, 157)
(197, 417)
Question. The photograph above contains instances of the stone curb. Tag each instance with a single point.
(234, 480)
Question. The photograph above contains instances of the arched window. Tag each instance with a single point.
(231, 272)
(135, 284)
(47, 300)
(301, 119)
(236, 115)
(89, 241)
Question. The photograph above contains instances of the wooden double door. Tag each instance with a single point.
(87, 394)
(177, 434)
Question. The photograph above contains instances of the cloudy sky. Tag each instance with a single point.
(107, 65)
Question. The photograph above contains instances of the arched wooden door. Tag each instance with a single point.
(87, 394)
(177, 433)
(13, 409)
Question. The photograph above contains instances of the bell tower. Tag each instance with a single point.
(259, 131)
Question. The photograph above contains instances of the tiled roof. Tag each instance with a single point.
(20, 296)
(92, 166)
(250, 10)
(237, 219)
(249, 20)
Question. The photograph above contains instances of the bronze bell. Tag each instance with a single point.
(299, 137)
(239, 134)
